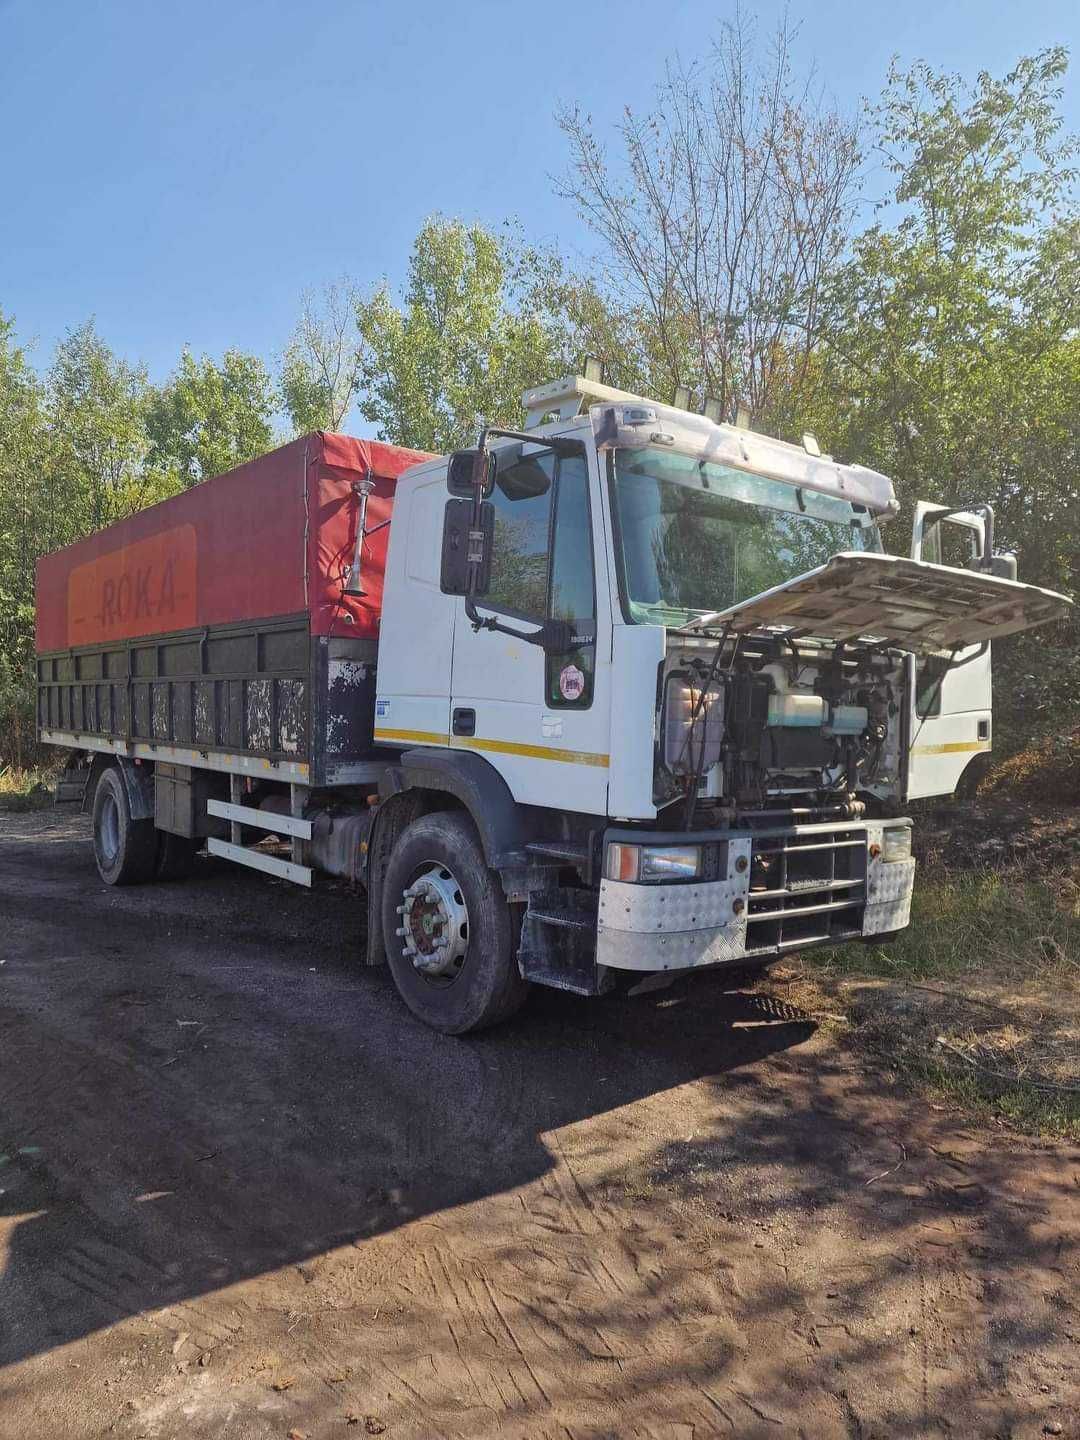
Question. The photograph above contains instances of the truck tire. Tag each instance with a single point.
(175, 856)
(125, 849)
(449, 938)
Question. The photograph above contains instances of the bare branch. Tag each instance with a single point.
(728, 206)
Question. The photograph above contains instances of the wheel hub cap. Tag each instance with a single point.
(434, 928)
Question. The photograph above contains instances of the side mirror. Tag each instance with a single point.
(460, 473)
(466, 548)
(1003, 566)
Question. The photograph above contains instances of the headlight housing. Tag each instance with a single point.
(652, 864)
(896, 843)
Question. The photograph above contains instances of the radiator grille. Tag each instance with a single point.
(806, 887)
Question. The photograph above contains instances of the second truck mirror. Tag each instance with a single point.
(460, 470)
(466, 550)
(459, 473)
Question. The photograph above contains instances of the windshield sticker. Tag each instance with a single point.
(571, 682)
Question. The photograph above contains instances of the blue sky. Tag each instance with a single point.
(183, 171)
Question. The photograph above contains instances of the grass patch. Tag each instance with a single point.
(978, 1002)
(25, 789)
(1018, 1104)
(1000, 923)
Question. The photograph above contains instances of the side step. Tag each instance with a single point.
(558, 941)
(577, 983)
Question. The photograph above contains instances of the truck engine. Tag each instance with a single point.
(776, 728)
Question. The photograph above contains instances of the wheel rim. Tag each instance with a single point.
(434, 929)
(109, 830)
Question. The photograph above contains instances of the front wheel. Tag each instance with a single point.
(447, 927)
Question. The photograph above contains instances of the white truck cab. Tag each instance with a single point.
(673, 658)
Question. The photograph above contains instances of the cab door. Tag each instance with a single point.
(949, 700)
(542, 719)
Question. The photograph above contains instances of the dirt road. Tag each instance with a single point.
(243, 1194)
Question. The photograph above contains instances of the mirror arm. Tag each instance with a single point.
(489, 622)
(559, 443)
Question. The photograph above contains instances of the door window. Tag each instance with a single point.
(950, 542)
(569, 679)
(522, 498)
(542, 564)
(930, 676)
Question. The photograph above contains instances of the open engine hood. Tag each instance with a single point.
(894, 601)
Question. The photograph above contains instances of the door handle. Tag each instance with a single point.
(464, 722)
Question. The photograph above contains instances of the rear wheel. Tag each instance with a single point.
(125, 849)
(447, 927)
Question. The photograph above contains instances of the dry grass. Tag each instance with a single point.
(1048, 770)
(25, 789)
(979, 1001)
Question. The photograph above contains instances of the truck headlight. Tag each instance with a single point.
(896, 842)
(652, 864)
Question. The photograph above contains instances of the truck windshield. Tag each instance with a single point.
(695, 536)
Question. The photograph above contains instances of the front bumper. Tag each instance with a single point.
(774, 891)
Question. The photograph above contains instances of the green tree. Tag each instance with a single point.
(950, 339)
(945, 330)
(25, 523)
(97, 412)
(209, 418)
(473, 329)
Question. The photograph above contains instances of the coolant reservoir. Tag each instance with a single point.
(682, 700)
(792, 709)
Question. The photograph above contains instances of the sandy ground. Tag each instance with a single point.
(244, 1194)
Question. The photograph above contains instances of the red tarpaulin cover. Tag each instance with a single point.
(273, 537)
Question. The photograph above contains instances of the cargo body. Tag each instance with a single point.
(215, 625)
